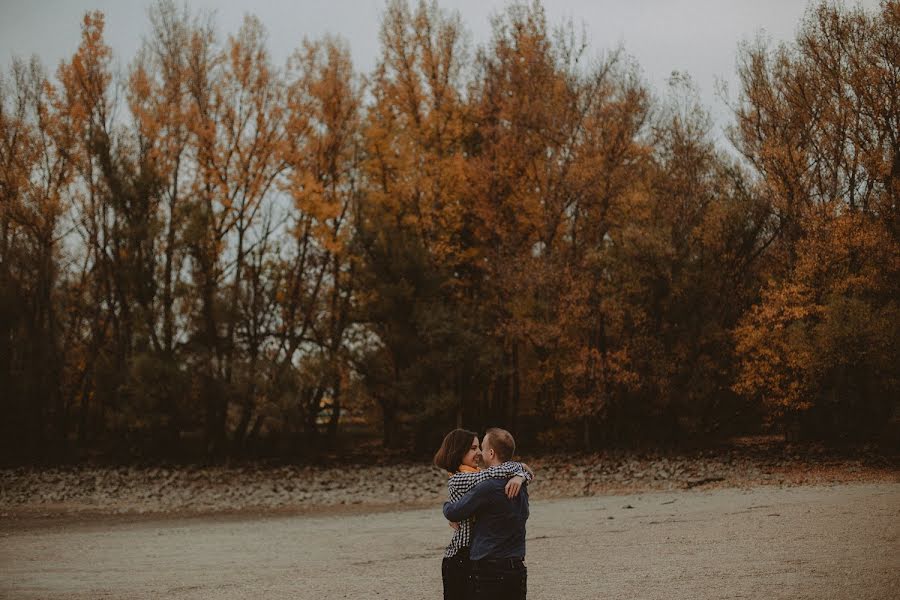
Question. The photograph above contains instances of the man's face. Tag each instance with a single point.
(487, 453)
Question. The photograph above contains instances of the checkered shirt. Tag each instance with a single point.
(460, 483)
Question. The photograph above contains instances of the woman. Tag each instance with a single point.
(459, 455)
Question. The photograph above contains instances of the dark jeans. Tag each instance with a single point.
(455, 573)
(498, 580)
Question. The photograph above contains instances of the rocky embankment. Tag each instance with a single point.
(84, 490)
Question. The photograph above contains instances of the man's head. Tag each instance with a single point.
(497, 446)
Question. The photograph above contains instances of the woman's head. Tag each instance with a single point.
(460, 447)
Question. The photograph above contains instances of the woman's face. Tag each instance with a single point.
(473, 456)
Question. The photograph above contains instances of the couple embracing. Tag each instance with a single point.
(487, 510)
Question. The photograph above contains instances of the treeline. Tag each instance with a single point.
(209, 253)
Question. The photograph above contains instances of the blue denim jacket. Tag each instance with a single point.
(499, 530)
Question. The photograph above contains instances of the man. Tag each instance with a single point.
(497, 552)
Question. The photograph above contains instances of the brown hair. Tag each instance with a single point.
(453, 448)
(502, 442)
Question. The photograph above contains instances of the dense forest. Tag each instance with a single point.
(207, 254)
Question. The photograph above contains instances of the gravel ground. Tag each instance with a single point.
(822, 542)
(29, 493)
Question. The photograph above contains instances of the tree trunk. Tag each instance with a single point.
(335, 409)
(516, 387)
(388, 422)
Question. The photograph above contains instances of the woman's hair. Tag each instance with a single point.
(455, 445)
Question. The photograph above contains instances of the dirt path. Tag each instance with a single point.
(822, 542)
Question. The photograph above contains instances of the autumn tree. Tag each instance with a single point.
(818, 119)
(36, 172)
(204, 252)
(679, 270)
(118, 195)
(158, 101)
(819, 351)
(317, 282)
(555, 155)
(236, 115)
(411, 224)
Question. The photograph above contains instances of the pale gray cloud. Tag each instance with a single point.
(699, 37)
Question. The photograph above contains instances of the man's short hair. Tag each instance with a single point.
(502, 442)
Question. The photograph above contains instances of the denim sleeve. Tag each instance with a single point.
(466, 506)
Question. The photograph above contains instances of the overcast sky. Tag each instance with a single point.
(699, 37)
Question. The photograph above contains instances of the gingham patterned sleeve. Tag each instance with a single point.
(461, 483)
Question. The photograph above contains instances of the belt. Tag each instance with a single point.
(498, 563)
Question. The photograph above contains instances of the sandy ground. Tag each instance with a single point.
(821, 541)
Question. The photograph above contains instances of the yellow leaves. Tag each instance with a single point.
(248, 59)
(306, 190)
(414, 137)
(787, 342)
(323, 100)
(86, 77)
(594, 378)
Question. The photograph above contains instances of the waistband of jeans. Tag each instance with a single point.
(498, 563)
